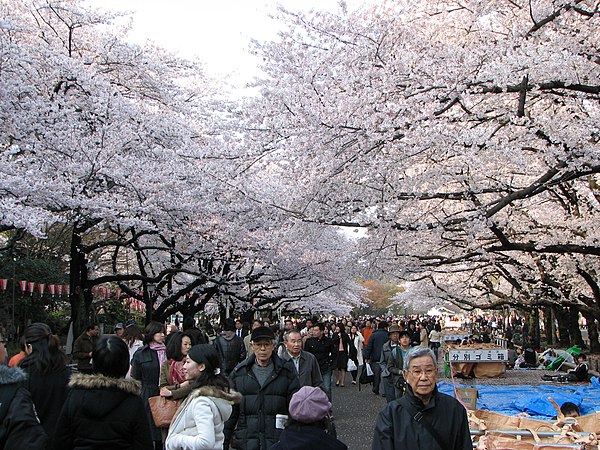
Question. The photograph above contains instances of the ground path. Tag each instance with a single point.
(355, 413)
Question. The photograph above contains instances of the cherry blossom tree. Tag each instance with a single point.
(462, 135)
(133, 148)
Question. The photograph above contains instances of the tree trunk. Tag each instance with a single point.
(549, 326)
(592, 329)
(574, 330)
(75, 283)
(534, 328)
(562, 317)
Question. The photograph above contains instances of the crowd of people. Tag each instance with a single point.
(253, 387)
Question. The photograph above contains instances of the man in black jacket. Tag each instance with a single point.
(267, 384)
(230, 347)
(424, 419)
(322, 347)
(373, 353)
(83, 347)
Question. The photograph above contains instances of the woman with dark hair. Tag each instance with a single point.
(133, 338)
(356, 349)
(47, 374)
(173, 383)
(198, 423)
(145, 367)
(103, 409)
(341, 343)
(19, 424)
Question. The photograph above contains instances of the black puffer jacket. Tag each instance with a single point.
(255, 415)
(101, 413)
(20, 427)
(231, 351)
(396, 428)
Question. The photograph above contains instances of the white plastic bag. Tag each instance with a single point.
(351, 366)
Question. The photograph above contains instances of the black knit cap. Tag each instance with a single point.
(262, 334)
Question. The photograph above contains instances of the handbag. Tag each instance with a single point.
(351, 366)
(163, 410)
(367, 375)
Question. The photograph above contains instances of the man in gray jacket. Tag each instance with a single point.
(304, 363)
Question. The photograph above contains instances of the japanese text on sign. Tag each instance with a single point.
(455, 337)
(478, 355)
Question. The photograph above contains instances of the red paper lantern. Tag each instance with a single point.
(3, 283)
(41, 288)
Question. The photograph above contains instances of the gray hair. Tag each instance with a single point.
(418, 352)
(286, 334)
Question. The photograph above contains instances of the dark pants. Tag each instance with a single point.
(388, 387)
(376, 376)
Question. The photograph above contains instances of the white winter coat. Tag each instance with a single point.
(199, 421)
(359, 342)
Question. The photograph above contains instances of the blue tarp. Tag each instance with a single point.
(533, 400)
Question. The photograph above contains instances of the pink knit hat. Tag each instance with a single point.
(309, 404)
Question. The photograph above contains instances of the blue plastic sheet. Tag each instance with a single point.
(533, 400)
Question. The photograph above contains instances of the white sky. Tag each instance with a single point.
(216, 31)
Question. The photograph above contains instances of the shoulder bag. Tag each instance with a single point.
(163, 410)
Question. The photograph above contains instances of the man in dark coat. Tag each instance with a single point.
(230, 347)
(373, 353)
(83, 347)
(267, 384)
(322, 348)
(305, 363)
(424, 419)
(19, 424)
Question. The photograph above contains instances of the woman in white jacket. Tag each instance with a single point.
(199, 421)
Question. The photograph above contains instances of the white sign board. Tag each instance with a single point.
(478, 355)
(455, 337)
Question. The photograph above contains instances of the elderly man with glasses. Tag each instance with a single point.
(424, 419)
(266, 383)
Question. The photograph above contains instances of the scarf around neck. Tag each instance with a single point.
(176, 373)
(161, 350)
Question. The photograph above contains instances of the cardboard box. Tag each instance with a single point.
(467, 396)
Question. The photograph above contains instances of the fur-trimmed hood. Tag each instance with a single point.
(95, 381)
(11, 375)
(222, 403)
(232, 397)
(101, 395)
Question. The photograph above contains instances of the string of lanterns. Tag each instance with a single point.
(98, 292)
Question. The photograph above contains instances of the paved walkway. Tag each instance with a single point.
(355, 413)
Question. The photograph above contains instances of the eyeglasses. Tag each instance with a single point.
(429, 372)
(262, 344)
